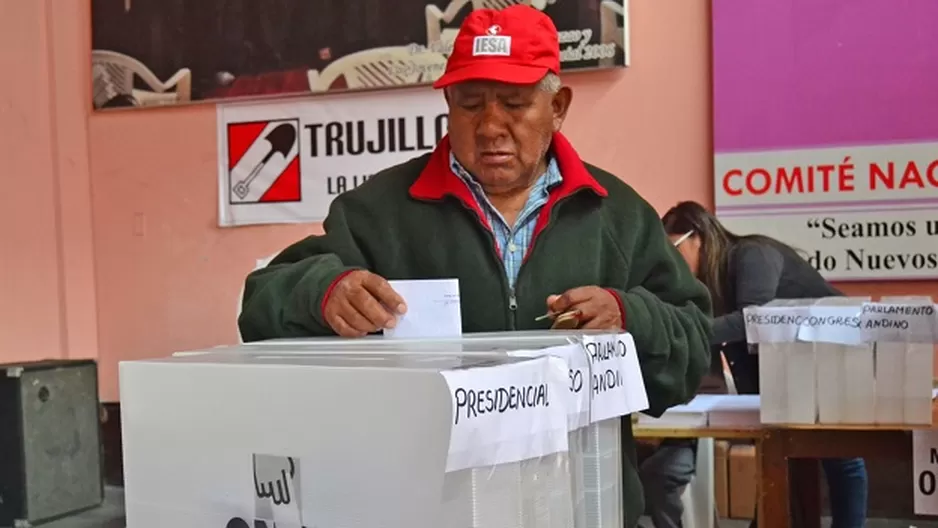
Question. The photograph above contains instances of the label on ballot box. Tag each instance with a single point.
(831, 324)
(578, 372)
(507, 413)
(771, 324)
(887, 322)
(616, 384)
(925, 472)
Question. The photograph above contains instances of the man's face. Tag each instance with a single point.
(501, 132)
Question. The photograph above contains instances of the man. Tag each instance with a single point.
(505, 205)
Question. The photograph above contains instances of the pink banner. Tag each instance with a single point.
(791, 74)
(826, 130)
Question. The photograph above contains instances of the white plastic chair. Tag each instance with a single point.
(610, 32)
(502, 4)
(382, 68)
(698, 497)
(439, 38)
(113, 74)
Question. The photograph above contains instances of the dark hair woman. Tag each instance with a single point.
(749, 270)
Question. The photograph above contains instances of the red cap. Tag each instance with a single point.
(515, 45)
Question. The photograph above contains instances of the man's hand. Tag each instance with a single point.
(598, 308)
(362, 303)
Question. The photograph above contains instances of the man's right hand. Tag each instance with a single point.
(362, 303)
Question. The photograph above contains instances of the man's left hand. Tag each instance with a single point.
(598, 308)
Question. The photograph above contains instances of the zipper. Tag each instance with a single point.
(513, 307)
(513, 290)
(513, 298)
(510, 315)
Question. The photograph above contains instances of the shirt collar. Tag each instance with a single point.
(551, 177)
(437, 179)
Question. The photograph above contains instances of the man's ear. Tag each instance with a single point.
(560, 104)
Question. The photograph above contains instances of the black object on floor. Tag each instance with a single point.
(50, 441)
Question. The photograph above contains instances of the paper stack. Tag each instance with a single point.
(709, 410)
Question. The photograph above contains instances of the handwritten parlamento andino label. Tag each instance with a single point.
(617, 387)
(898, 322)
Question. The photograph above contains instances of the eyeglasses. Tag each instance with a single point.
(684, 237)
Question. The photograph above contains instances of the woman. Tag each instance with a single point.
(752, 270)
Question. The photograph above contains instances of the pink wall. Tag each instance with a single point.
(47, 287)
(110, 248)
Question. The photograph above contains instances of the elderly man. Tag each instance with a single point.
(505, 205)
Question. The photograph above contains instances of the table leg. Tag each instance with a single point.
(805, 479)
(774, 499)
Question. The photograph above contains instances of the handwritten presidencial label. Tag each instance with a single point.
(616, 384)
(507, 413)
(578, 372)
(773, 324)
(888, 322)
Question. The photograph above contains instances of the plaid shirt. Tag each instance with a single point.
(513, 241)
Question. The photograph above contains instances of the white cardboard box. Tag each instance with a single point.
(352, 442)
(595, 458)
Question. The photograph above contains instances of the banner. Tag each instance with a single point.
(158, 52)
(284, 162)
(825, 138)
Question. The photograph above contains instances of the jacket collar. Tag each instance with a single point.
(438, 180)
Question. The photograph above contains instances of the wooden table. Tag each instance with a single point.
(789, 459)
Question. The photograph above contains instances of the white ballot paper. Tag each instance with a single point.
(432, 309)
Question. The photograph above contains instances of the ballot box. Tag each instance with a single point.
(844, 376)
(604, 380)
(370, 440)
(904, 358)
(844, 360)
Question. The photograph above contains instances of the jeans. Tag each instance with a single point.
(664, 476)
(847, 489)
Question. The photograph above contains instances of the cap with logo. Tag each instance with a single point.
(515, 45)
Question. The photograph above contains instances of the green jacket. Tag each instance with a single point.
(418, 220)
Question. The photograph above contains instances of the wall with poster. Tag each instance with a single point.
(118, 250)
(825, 137)
(158, 52)
(123, 257)
(284, 162)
